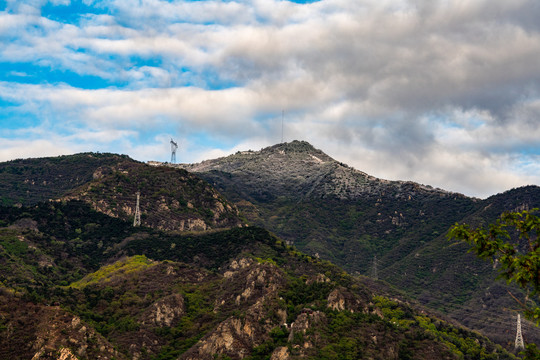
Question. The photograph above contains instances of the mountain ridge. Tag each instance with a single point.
(403, 224)
(48, 246)
(319, 169)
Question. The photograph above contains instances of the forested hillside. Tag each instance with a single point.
(102, 288)
(79, 281)
(338, 213)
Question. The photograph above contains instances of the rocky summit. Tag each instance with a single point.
(299, 171)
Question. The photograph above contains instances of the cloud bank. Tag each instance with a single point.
(440, 92)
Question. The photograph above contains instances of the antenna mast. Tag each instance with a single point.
(137, 219)
(282, 117)
(174, 146)
(519, 338)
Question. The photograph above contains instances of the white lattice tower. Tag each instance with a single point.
(374, 271)
(174, 146)
(137, 219)
(519, 338)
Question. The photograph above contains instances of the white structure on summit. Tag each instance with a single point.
(174, 146)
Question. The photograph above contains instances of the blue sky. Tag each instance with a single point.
(445, 93)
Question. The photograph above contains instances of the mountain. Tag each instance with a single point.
(364, 224)
(79, 281)
(464, 287)
(325, 207)
(102, 288)
(171, 199)
(28, 181)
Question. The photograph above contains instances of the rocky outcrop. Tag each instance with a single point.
(39, 332)
(304, 321)
(253, 284)
(165, 311)
(280, 353)
(71, 340)
(299, 339)
(341, 299)
(254, 280)
(169, 199)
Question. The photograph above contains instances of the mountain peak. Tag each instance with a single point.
(299, 148)
(300, 171)
(295, 145)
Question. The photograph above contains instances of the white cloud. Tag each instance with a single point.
(415, 89)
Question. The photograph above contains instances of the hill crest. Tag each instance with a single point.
(299, 170)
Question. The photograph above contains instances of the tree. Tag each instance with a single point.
(514, 242)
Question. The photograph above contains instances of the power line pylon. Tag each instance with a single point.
(174, 146)
(374, 272)
(137, 219)
(519, 338)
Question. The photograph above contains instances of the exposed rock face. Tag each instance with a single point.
(257, 284)
(66, 354)
(280, 353)
(82, 341)
(177, 200)
(40, 332)
(319, 278)
(340, 299)
(233, 336)
(304, 321)
(165, 311)
(258, 281)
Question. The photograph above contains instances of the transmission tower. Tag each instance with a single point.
(174, 146)
(137, 219)
(519, 338)
(374, 272)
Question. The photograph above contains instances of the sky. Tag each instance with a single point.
(441, 92)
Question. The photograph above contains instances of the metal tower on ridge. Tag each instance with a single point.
(137, 219)
(519, 338)
(174, 146)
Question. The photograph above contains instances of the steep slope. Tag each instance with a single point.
(170, 199)
(105, 289)
(112, 290)
(28, 181)
(30, 330)
(465, 287)
(327, 208)
(338, 213)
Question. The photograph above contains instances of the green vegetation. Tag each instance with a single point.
(104, 274)
(29, 181)
(80, 279)
(171, 199)
(513, 241)
(518, 255)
